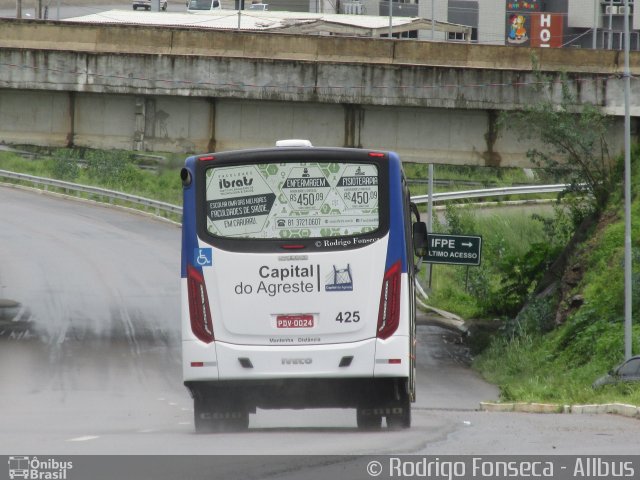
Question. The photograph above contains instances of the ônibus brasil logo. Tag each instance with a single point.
(37, 469)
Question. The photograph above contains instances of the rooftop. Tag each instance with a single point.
(274, 21)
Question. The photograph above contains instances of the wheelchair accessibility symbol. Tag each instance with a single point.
(203, 257)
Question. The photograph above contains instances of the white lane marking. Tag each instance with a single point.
(83, 439)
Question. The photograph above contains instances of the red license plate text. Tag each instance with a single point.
(294, 321)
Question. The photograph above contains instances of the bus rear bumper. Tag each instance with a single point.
(224, 361)
(248, 395)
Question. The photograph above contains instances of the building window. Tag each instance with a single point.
(460, 37)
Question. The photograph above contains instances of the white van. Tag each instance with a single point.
(202, 6)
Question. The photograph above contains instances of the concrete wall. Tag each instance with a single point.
(175, 41)
(42, 116)
(359, 83)
(186, 125)
(187, 90)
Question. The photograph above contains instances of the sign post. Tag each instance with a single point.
(454, 249)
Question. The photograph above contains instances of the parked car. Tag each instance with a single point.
(146, 4)
(628, 371)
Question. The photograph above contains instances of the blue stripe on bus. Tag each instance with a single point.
(189, 235)
(396, 248)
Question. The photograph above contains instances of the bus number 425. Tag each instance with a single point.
(348, 317)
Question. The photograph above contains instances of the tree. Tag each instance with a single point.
(574, 138)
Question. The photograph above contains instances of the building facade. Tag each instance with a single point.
(544, 23)
(538, 23)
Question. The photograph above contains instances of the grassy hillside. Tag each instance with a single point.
(560, 366)
(116, 170)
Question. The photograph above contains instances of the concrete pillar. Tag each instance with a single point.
(138, 134)
(72, 120)
(491, 157)
(211, 146)
(353, 123)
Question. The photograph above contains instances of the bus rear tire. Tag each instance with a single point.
(215, 419)
(399, 422)
(402, 419)
(367, 421)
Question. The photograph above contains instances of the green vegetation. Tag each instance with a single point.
(120, 170)
(531, 363)
(488, 176)
(534, 355)
(116, 170)
(561, 303)
(516, 248)
(575, 147)
(460, 177)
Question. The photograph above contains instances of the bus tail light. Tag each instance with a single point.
(292, 247)
(389, 312)
(201, 323)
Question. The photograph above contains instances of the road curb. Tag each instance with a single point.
(630, 411)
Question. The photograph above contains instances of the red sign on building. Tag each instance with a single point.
(546, 30)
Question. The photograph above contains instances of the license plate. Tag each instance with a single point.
(294, 321)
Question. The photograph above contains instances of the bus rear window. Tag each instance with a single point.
(292, 200)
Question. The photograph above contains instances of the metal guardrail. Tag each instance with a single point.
(174, 209)
(111, 195)
(491, 192)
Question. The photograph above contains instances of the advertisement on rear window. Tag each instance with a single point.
(292, 200)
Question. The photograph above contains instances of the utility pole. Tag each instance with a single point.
(433, 13)
(628, 291)
(18, 8)
(596, 4)
(430, 219)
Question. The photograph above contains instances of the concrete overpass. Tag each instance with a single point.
(192, 90)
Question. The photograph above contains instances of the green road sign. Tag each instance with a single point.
(453, 249)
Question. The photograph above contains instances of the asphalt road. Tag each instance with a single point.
(93, 365)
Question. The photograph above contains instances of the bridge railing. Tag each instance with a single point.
(168, 209)
(491, 192)
(111, 196)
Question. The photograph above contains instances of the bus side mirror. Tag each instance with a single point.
(185, 176)
(420, 239)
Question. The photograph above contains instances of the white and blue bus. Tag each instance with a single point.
(297, 284)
